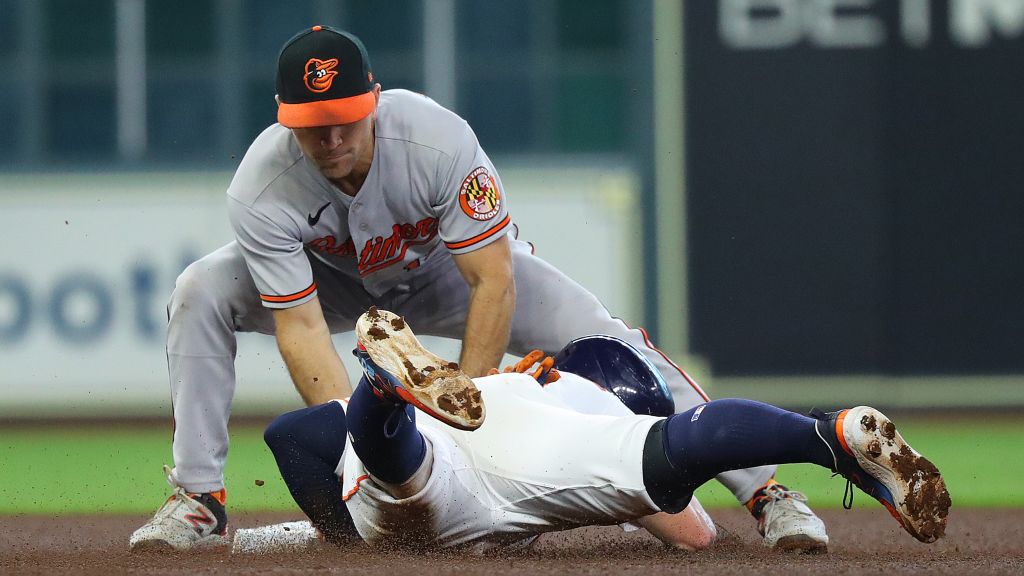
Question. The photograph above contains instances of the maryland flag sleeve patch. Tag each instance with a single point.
(479, 196)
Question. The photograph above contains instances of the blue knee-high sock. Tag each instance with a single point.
(732, 434)
(384, 435)
(308, 445)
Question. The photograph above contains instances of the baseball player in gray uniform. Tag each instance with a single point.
(359, 197)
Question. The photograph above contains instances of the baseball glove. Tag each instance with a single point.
(544, 373)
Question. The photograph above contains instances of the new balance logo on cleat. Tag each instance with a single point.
(199, 520)
(185, 522)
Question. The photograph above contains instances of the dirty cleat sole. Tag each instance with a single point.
(435, 386)
(905, 482)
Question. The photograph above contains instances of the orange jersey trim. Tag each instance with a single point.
(685, 376)
(355, 488)
(480, 237)
(290, 297)
(647, 340)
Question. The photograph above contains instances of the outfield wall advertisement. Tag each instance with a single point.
(854, 180)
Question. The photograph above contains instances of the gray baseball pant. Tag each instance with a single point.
(215, 297)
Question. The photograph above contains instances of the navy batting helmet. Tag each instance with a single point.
(620, 368)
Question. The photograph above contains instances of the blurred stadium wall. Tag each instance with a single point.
(814, 202)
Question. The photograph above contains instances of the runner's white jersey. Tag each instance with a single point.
(430, 184)
(536, 465)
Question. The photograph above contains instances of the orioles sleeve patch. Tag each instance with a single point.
(479, 196)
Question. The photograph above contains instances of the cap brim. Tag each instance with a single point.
(326, 112)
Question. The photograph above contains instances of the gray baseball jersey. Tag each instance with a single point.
(429, 183)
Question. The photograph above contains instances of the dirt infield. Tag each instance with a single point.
(863, 542)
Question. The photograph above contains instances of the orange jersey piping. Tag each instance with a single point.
(290, 297)
(480, 237)
(355, 488)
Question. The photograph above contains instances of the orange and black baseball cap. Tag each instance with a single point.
(323, 79)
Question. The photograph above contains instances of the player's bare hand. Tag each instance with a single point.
(543, 373)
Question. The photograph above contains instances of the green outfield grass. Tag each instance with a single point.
(86, 470)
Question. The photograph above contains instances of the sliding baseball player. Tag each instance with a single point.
(504, 458)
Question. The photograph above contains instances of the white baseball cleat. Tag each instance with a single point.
(185, 522)
(871, 454)
(786, 522)
(400, 369)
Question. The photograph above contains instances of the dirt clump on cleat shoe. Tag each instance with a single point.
(889, 430)
(396, 363)
(468, 400)
(871, 454)
(927, 497)
(869, 423)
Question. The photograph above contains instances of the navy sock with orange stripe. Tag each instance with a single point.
(731, 434)
(384, 435)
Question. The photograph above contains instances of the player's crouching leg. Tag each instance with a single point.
(203, 314)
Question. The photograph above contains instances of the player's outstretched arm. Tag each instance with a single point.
(692, 529)
(305, 344)
(492, 301)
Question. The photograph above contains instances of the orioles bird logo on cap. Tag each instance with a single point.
(320, 74)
